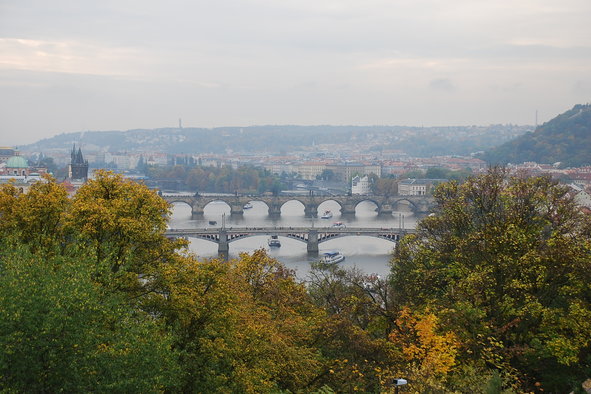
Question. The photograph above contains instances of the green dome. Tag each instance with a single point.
(17, 162)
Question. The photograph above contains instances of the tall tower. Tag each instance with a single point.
(78, 166)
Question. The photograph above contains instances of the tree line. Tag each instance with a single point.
(223, 179)
(491, 295)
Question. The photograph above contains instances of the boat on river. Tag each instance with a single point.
(332, 257)
(247, 206)
(326, 215)
(274, 241)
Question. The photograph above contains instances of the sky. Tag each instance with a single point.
(76, 65)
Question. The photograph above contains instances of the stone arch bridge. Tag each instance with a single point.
(311, 236)
(385, 205)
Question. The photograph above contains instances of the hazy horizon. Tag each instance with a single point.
(122, 64)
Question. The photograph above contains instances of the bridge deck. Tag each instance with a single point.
(312, 236)
(284, 230)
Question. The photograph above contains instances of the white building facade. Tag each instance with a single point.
(360, 185)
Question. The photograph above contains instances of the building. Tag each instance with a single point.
(78, 168)
(360, 185)
(581, 197)
(15, 169)
(417, 187)
(345, 172)
(311, 169)
(6, 153)
(16, 166)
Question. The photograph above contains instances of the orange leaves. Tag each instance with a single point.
(422, 345)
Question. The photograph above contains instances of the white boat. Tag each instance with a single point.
(326, 215)
(273, 241)
(247, 206)
(339, 225)
(332, 257)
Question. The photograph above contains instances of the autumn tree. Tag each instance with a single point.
(385, 187)
(36, 217)
(240, 326)
(428, 355)
(355, 335)
(504, 263)
(123, 222)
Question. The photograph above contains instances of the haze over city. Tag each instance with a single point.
(117, 65)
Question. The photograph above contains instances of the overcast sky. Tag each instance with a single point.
(74, 65)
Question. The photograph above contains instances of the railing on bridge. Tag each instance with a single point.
(312, 236)
(384, 204)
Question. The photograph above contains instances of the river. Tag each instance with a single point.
(369, 254)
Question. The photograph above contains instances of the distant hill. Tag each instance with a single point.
(415, 141)
(565, 139)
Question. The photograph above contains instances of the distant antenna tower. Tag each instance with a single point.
(180, 123)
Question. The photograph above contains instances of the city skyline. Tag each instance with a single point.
(118, 65)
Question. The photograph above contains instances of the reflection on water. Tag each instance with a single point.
(367, 253)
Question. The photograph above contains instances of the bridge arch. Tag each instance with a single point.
(180, 201)
(348, 204)
(291, 200)
(210, 201)
(370, 199)
(258, 200)
(414, 207)
(340, 203)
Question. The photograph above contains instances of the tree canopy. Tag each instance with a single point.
(491, 294)
(504, 263)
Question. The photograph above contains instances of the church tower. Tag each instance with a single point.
(78, 166)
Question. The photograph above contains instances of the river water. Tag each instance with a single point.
(369, 254)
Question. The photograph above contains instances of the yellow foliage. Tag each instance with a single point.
(422, 346)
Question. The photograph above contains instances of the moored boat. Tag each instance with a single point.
(247, 206)
(326, 215)
(274, 241)
(332, 257)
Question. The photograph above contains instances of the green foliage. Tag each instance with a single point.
(245, 179)
(565, 139)
(93, 297)
(354, 338)
(446, 173)
(61, 331)
(504, 263)
(413, 174)
(35, 218)
(122, 221)
(244, 326)
(385, 187)
(417, 141)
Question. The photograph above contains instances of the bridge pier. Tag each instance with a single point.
(236, 208)
(348, 209)
(223, 245)
(196, 210)
(274, 209)
(311, 210)
(385, 209)
(312, 243)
